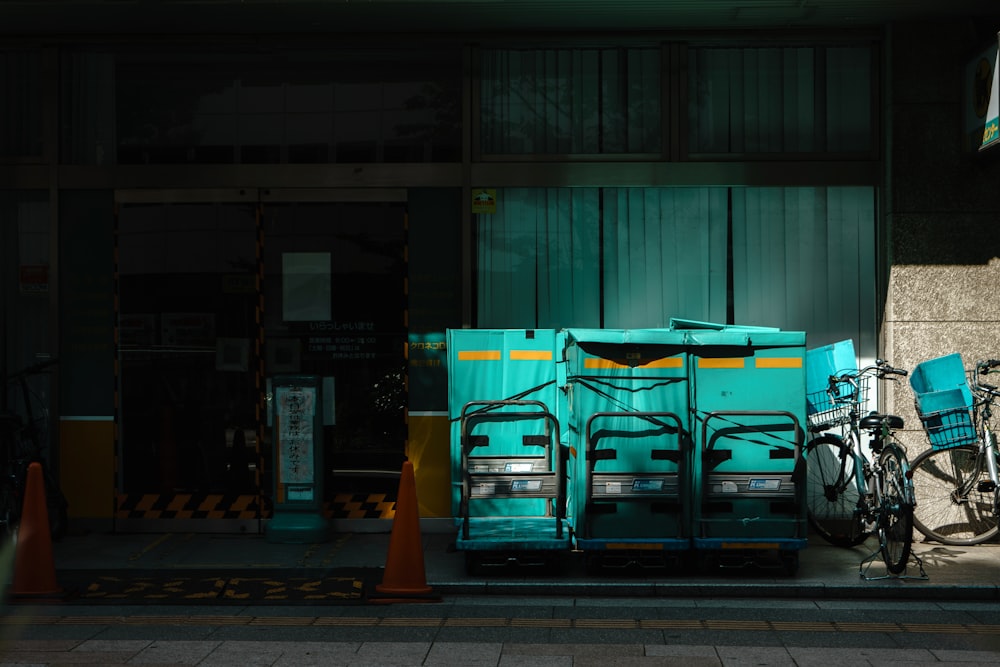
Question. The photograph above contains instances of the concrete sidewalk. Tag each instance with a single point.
(971, 573)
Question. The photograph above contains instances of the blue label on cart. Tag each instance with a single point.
(764, 485)
(526, 485)
(647, 485)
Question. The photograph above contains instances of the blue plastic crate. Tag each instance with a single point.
(944, 401)
(823, 408)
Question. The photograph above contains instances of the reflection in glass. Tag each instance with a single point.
(571, 101)
(289, 107)
(780, 100)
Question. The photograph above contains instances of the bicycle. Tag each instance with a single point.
(21, 444)
(850, 496)
(956, 479)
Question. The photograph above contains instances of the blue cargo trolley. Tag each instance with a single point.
(636, 516)
(500, 517)
(629, 447)
(748, 399)
(512, 530)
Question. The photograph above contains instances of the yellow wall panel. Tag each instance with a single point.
(87, 467)
(431, 457)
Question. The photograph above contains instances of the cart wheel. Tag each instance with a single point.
(552, 565)
(472, 564)
(706, 563)
(791, 563)
(593, 565)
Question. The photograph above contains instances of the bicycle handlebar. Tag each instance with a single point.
(880, 369)
(982, 368)
(33, 369)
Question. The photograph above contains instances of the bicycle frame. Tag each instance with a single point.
(885, 497)
(983, 415)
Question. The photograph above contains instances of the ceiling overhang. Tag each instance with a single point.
(83, 17)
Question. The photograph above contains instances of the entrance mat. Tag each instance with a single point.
(340, 586)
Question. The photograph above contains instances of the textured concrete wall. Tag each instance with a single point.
(942, 211)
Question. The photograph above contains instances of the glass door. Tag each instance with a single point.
(188, 370)
(219, 294)
(335, 307)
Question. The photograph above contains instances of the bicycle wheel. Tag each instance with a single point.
(10, 512)
(895, 524)
(955, 502)
(831, 493)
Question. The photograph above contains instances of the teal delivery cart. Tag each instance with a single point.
(627, 396)
(749, 407)
(508, 463)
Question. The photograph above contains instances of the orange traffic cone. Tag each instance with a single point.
(34, 566)
(404, 579)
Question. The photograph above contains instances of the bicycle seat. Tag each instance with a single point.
(874, 421)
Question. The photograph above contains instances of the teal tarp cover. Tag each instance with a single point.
(625, 336)
(496, 365)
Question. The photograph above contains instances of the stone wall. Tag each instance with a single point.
(941, 211)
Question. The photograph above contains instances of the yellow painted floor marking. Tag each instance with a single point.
(411, 622)
(220, 620)
(869, 627)
(477, 622)
(81, 620)
(284, 620)
(350, 621)
(154, 620)
(801, 626)
(605, 623)
(152, 545)
(985, 629)
(541, 622)
(943, 628)
(663, 624)
(736, 625)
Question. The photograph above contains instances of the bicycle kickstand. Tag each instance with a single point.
(866, 564)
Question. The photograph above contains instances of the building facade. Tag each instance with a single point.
(190, 212)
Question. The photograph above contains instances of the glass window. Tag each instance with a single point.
(792, 258)
(24, 293)
(803, 259)
(664, 255)
(613, 257)
(539, 259)
(87, 108)
(780, 100)
(295, 107)
(571, 101)
(21, 110)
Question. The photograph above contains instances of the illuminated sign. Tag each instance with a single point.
(991, 130)
(982, 100)
(484, 201)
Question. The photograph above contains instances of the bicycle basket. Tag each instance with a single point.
(944, 401)
(824, 410)
(835, 410)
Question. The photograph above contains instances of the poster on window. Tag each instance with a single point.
(296, 409)
(306, 286)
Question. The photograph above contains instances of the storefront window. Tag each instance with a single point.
(21, 109)
(783, 257)
(788, 100)
(289, 107)
(571, 101)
